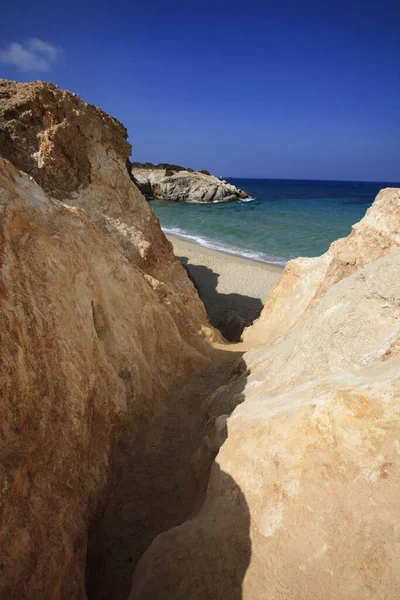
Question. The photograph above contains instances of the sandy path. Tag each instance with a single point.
(164, 486)
(161, 489)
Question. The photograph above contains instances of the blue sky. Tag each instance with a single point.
(245, 89)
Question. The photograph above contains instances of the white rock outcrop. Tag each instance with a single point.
(185, 186)
(305, 280)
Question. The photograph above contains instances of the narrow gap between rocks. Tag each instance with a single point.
(163, 486)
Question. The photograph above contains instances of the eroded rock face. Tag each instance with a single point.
(302, 502)
(303, 499)
(305, 280)
(78, 154)
(89, 353)
(185, 186)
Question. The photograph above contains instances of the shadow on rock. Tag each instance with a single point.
(165, 485)
(206, 558)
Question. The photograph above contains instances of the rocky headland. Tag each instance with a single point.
(135, 441)
(184, 186)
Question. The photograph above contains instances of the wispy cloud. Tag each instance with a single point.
(32, 55)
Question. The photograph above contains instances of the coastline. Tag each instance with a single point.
(177, 240)
(226, 281)
(241, 253)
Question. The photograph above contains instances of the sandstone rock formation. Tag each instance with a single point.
(89, 353)
(78, 154)
(305, 280)
(304, 494)
(100, 325)
(185, 186)
(98, 322)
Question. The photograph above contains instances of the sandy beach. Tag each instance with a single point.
(226, 281)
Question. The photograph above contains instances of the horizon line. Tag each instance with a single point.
(397, 184)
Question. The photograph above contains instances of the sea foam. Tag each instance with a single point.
(228, 249)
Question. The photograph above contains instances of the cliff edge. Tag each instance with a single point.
(99, 322)
(89, 353)
(78, 154)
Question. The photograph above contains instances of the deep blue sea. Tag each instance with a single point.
(283, 219)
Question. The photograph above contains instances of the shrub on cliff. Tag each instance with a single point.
(145, 165)
(151, 166)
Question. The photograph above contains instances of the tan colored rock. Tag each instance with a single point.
(89, 354)
(305, 280)
(302, 502)
(304, 495)
(79, 154)
(185, 186)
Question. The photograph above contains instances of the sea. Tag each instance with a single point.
(281, 219)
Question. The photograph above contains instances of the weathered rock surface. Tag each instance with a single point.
(304, 495)
(305, 280)
(89, 354)
(78, 154)
(99, 322)
(185, 186)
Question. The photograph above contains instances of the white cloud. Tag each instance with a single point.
(32, 55)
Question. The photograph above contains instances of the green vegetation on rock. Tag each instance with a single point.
(167, 166)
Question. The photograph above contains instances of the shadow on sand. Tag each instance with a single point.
(230, 313)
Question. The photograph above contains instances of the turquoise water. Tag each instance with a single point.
(285, 219)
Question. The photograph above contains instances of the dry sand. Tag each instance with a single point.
(225, 280)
